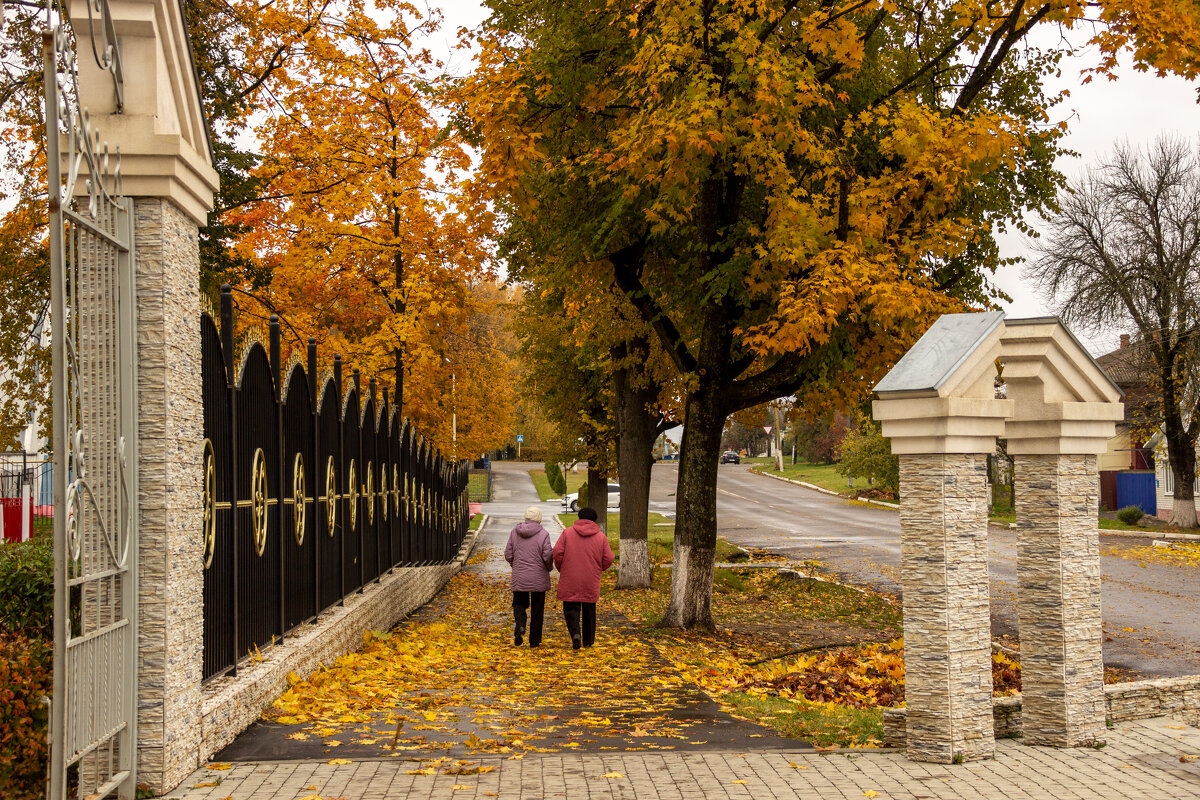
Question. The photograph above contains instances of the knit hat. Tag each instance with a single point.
(533, 514)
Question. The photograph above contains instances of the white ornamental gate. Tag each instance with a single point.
(93, 316)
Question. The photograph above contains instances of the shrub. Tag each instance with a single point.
(558, 481)
(25, 678)
(27, 588)
(1130, 515)
(865, 453)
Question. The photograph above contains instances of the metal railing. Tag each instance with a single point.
(311, 491)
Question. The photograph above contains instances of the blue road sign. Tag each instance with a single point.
(520, 437)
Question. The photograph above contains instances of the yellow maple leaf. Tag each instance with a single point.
(870, 793)
(220, 765)
(338, 761)
(613, 775)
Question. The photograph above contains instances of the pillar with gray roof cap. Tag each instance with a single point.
(166, 167)
(938, 406)
(1065, 411)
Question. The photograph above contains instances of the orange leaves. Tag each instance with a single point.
(372, 242)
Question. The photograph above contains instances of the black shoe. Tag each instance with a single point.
(576, 643)
(518, 632)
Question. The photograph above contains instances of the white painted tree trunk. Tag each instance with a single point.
(1183, 513)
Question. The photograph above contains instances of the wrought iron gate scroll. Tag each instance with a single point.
(93, 317)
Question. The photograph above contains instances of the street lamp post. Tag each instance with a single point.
(453, 413)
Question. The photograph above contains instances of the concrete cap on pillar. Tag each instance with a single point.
(941, 396)
(1064, 403)
(162, 131)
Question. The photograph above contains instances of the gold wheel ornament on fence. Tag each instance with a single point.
(299, 497)
(352, 511)
(330, 496)
(396, 489)
(258, 499)
(210, 504)
(370, 493)
(383, 490)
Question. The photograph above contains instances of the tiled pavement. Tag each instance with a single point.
(1141, 760)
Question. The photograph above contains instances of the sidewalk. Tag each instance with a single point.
(1142, 760)
(614, 722)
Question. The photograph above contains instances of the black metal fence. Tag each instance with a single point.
(311, 492)
(26, 496)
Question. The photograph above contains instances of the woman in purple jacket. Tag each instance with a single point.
(531, 556)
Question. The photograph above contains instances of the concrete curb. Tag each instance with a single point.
(823, 490)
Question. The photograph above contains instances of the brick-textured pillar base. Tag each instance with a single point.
(947, 623)
(1058, 576)
(171, 430)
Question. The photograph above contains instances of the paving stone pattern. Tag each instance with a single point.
(1140, 762)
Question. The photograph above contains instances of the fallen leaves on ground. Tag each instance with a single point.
(1176, 554)
(455, 679)
(451, 679)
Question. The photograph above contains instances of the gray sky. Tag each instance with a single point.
(1137, 107)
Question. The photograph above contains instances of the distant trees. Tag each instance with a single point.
(1125, 251)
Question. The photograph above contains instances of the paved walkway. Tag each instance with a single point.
(1142, 760)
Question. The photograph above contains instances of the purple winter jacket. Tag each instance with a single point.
(532, 557)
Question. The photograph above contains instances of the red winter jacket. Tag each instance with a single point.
(581, 554)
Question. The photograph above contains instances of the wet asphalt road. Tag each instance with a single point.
(1160, 603)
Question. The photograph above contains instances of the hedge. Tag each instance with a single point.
(27, 588)
(25, 679)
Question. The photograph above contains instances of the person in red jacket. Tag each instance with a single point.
(581, 554)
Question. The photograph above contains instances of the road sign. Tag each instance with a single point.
(520, 438)
(767, 428)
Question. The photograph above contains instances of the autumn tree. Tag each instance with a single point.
(362, 225)
(1124, 250)
(788, 193)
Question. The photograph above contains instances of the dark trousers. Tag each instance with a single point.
(581, 621)
(536, 603)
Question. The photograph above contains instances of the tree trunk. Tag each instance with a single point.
(1181, 451)
(597, 495)
(1183, 464)
(637, 428)
(696, 512)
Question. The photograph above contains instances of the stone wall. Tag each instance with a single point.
(231, 703)
(1177, 698)
(171, 436)
(943, 517)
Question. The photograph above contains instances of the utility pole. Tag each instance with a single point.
(779, 436)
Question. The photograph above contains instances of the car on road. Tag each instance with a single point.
(571, 501)
(730, 457)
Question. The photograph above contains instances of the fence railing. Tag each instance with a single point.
(26, 496)
(311, 491)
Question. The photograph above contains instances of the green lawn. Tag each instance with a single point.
(477, 487)
(538, 476)
(475, 520)
(824, 475)
(661, 540)
(822, 724)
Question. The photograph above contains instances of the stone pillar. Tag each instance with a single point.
(938, 406)
(166, 168)
(1065, 411)
(171, 430)
(947, 621)
(1058, 578)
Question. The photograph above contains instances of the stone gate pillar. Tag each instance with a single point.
(1065, 412)
(166, 168)
(939, 409)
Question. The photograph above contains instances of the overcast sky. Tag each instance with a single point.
(1138, 107)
